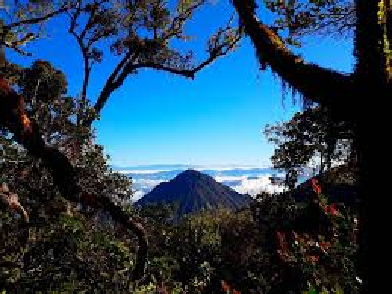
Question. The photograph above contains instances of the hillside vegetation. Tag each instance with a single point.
(65, 219)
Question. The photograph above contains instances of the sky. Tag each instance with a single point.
(217, 118)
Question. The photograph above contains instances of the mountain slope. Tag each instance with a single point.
(194, 191)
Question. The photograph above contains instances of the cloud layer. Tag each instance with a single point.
(251, 185)
(243, 179)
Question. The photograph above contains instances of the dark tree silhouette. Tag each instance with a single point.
(340, 93)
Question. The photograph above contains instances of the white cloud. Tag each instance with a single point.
(162, 168)
(221, 179)
(137, 195)
(255, 186)
(147, 172)
(143, 186)
(147, 183)
(227, 167)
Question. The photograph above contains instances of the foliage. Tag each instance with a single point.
(200, 252)
(60, 240)
(271, 251)
(299, 18)
(310, 138)
(56, 112)
(279, 245)
(69, 253)
(314, 243)
(141, 34)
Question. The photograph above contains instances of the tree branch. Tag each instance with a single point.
(84, 49)
(111, 85)
(14, 118)
(317, 84)
(17, 49)
(127, 66)
(179, 20)
(36, 20)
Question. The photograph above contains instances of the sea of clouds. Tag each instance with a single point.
(243, 179)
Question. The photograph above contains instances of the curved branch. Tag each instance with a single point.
(317, 84)
(13, 117)
(112, 83)
(128, 66)
(36, 20)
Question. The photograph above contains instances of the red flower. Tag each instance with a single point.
(315, 186)
(324, 245)
(331, 209)
(225, 286)
(281, 239)
(313, 258)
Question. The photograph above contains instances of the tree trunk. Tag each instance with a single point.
(371, 78)
(340, 93)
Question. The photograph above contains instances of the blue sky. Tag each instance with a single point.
(218, 118)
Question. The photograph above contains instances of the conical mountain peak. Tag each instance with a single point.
(193, 192)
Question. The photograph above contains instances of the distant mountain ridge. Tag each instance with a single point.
(194, 191)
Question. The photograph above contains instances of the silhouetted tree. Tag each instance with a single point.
(339, 92)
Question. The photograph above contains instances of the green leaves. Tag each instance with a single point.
(64, 248)
(315, 248)
(43, 82)
(311, 136)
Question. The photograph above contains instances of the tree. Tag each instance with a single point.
(337, 91)
(55, 224)
(139, 32)
(23, 21)
(309, 138)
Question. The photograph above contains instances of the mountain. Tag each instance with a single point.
(243, 179)
(194, 191)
